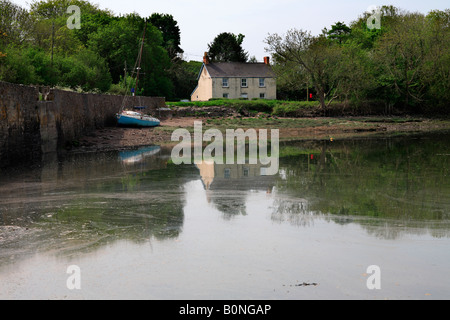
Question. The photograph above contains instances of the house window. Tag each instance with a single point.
(246, 172)
(244, 96)
(225, 83)
(225, 95)
(262, 95)
(244, 82)
(227, 174)
(262, 82)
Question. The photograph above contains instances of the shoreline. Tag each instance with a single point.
(291, 129)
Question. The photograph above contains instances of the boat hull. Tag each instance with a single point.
(137, 121)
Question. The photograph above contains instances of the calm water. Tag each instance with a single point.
(139, 227)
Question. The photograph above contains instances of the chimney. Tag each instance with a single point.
(267, 60)
(206, 58)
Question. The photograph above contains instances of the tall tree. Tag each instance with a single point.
(339, 32)
(315, 60)
(170, 32)
(50, 29)
(91, 22)
(227, 47)
(119, 43)
(16, 24)
(401, 54)
(54, 9)
(436, 68)
(184, 76)
(2, 35)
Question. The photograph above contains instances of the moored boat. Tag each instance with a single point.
(136, 119)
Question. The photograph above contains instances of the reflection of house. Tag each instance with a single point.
(235, 176)
(235, 80)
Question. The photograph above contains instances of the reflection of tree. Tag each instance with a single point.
(386, 229)
(232, 204)
(295, 212)
(91, 200)
(393, 179)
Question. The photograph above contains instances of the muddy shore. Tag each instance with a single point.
(119, 138)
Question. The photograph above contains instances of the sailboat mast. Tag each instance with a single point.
(140, 56)
(137, 66)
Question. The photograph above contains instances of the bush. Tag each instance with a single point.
(293, 108)
(96, 70)
(275, 107)
(85, 69)
(16, 67)
(253, 106)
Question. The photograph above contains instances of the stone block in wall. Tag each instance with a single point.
(48, 127)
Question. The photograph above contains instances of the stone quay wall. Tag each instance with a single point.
(35, 121)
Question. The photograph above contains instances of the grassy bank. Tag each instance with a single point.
(252, 107)
(298, 109)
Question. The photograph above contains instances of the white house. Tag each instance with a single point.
(234, 80)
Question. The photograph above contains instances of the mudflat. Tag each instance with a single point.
(119, 138)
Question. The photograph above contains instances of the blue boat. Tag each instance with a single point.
(136, 119)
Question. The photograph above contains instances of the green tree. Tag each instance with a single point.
(51, 31)
(366, 37)
(437, 62)
(170, 32)
(16, 23)
(314, 59)
(119, 43)
(401, 54)
(57, 9)
(356, 74)
(2, 35)
(85, 70)
(184, 76)
(339, 32)
(92, 21)
(227, 47)
(17, 68)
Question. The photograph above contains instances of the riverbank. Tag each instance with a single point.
(320, 128)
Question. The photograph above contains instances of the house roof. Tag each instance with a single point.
(238, 70)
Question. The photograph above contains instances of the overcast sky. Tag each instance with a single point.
(201, 21)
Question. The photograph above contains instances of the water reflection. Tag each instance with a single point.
(88, 201)
(390, 187)
(139, 155)
(295, 212)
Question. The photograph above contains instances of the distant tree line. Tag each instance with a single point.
(403, 65)
(37, 47)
